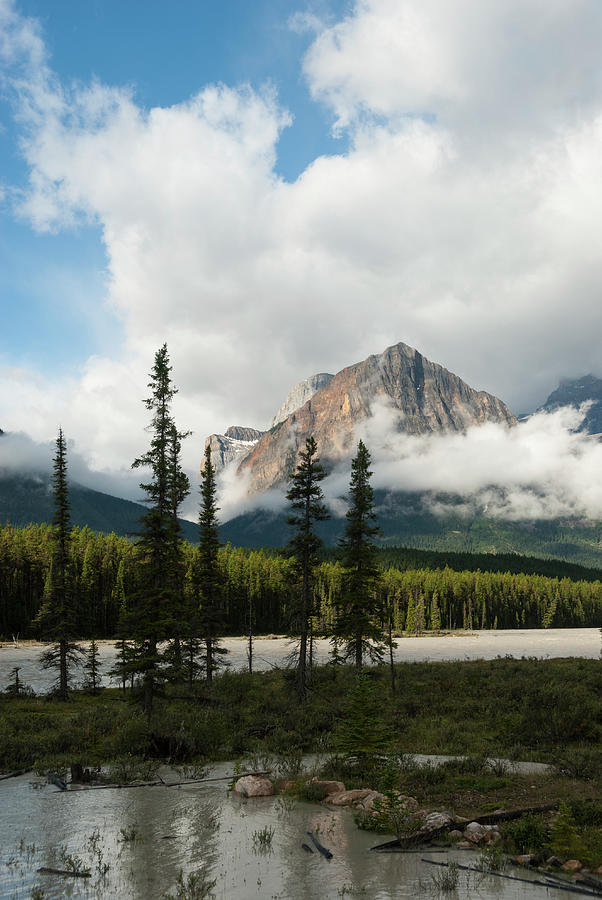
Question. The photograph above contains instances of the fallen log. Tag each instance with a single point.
(485, 819)
(72, 872)
(571, 888)
(583, 879)
(323, 850)
(158, 783)
(14, 774)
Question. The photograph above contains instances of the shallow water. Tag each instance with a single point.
(203, 828)
(267, 653)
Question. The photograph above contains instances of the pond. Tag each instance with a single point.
(136, 842)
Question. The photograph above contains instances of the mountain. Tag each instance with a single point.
(408, 520)
(299, 395)
(574, 392)
(28, 498)
(421, 395)
(238, 441)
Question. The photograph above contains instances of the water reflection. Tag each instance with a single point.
(136, 841)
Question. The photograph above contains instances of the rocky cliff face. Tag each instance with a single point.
(574, 392)
(236, 443)
(299, 395)
(426, 397)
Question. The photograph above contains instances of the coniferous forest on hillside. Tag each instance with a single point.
(425, 591)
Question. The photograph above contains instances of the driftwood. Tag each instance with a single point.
(158, 783)
(571, 888)
(14, 774)
(47, 871)
(323, 850)
(486, 819)
(584, 880)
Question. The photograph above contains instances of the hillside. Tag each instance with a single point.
(406, 520)
(25, 499)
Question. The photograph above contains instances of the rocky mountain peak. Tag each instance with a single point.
(574, 392)
(427, 397)
(299, 395)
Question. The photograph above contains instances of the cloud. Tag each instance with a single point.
(463, 218)
(20, 455)
(542, 468)
(484, 66)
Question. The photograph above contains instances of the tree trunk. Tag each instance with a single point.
(209, 645)
(250, 654)
(63, 669)
(391, 654)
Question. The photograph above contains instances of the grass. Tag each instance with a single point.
(548, 710)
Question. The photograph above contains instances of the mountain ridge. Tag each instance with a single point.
(424, 396)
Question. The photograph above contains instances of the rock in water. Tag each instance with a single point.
(254, 786)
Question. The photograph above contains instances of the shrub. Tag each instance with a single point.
(527, 834)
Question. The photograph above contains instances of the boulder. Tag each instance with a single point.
(465, 845)
(525, 859)
(329, 787)
(367, 804)
(572, 865)
(456, 835)
(493, 836)
(254, 786)
(475, 833)
(348, 798)
(436, 820)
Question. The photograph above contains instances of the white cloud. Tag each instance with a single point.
(464, 218)
(540, 469)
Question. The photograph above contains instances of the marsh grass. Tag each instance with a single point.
(262, 839)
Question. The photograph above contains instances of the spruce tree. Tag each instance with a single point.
(159, 545)
(306, 499)
(92, 668)
(359, 620)
(362, 731)
(209, 581)
(57, 618)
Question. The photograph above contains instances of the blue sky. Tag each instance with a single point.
(53, 284)
(277, 189)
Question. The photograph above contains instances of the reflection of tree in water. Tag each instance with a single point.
(179, 833)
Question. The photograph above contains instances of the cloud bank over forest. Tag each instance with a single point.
(462, 219)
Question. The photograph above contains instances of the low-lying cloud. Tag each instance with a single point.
(542, 468)
(20, 455)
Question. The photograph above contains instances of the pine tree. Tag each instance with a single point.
(362, 731)
(92, 667)
(306, 499)
(209, 582)
(57, 618)
(360, 614)
(159, 547)
(435, 613)
(178, 489)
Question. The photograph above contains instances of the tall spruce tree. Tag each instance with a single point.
(209, 581)
(159, 546)
(57, 619)
(178, 489)
(360, 615)
(306, 499)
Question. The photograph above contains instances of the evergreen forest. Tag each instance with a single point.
(423, 593)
